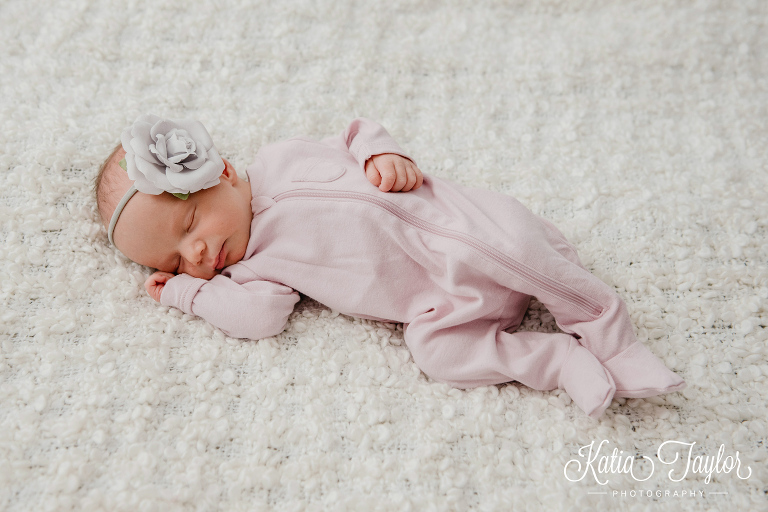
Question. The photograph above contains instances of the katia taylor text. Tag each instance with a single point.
(600, 463)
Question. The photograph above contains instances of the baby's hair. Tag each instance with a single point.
(105, 187)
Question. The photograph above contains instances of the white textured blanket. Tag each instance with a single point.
(639, 128)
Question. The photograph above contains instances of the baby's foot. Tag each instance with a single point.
(585, 380)
(640, 374)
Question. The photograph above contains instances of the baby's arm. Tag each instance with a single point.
(386, 165)
(234, 301)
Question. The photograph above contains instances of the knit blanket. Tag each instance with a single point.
(639, 128)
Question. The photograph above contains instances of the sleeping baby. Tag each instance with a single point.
(352, 222)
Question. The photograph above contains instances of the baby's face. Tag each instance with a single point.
(198, 236)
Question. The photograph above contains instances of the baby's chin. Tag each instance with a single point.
(237, 258)
(236, 251)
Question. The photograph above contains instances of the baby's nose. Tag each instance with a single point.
(199, 252)
(195, 252)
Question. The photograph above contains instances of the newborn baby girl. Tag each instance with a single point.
(353, 223)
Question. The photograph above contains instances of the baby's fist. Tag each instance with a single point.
(155, 283)
(393, 173)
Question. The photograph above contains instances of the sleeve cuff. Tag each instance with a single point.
(180, 291)
(365, 138)
(366, 150)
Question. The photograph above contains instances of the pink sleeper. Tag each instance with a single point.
(456, 265)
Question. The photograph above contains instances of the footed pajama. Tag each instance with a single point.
(456, 265)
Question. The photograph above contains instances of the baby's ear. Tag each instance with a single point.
(228, 174)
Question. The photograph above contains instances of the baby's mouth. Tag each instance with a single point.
(220, 259)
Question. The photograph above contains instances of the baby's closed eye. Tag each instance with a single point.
(191, 219)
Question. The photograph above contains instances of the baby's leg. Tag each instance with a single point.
(586, 306)
(465, 353)
(520, 252)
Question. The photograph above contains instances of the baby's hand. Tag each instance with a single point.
(154, 284)
(393, 173)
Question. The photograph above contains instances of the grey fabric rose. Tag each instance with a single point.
(171, 155)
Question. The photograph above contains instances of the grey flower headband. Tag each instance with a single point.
(167, 155)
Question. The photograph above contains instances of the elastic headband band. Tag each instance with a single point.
(119, 210)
